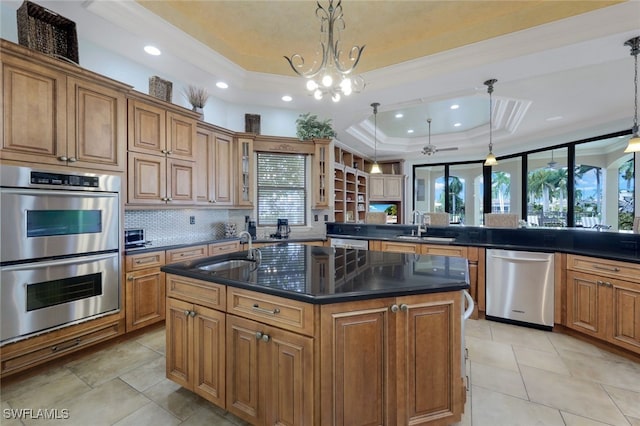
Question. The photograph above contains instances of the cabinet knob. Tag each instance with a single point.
(186, 313)
(404, 307)
(212, 201)
(62, 158)
(130, 278)
(169, 199)
(192, 314)
(258, 335)
(164, 151)
(265, 337)
(72, 159)
(394, 308)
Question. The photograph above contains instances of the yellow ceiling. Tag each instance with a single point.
(256, 34)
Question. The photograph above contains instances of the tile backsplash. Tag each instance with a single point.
(168, 227)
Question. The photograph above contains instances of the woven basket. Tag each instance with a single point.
(45, 31)
(161, 89)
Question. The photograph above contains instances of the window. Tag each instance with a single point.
(281, 188)
(626, 189)
(547, 188)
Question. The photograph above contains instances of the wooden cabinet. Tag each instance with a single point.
(270, 374)
(216, 249)
(214, 156)
(393, 246)
(187, 253)
(603, 300)
(144, 289)
(60, 115)
(162, 149)
(195, 330)
(245, 167)
(403, 353)
(350, 186)
(321, 174)
(386, 187)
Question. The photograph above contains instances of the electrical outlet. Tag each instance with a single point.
(192, 220)
(326, 218)
(315, 217)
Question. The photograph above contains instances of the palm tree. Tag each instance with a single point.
(456, 202)
(500, 187)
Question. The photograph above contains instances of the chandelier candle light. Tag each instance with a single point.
(375, 168)
(634, 142)
(491, 159)
(331, 76)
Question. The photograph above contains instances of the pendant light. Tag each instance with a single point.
(375, 168)
(491, 159)
(634, 142)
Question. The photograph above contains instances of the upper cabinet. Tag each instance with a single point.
(386, 187)
(321, 170)
(245, 168)
(214, 156)
(162, 150)
(58, 114)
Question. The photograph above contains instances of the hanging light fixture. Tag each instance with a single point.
(634, 142)
(552, 164)
(491, 159)
(332, 76)
(375, 168)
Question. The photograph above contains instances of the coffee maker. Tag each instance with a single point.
(283, 229)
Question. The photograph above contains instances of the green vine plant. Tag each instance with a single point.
(309, 127)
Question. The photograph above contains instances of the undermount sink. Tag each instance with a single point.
(445, 240)
(230, 264)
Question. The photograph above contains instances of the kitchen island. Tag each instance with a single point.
(316, 336)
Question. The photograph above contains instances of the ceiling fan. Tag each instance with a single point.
(431, 149)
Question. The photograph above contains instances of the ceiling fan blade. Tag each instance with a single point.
(446, 149)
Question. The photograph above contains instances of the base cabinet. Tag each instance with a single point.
(270, 374)
(402, 352)
(144, 289)
(195, 349)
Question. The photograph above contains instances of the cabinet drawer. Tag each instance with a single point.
(273, 310)
(223, 248)
(444, 250)
(611, 268)
(187, 253)
(196, 291)
(399, 247)
(135, 262)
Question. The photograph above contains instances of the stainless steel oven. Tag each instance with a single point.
(60, 249)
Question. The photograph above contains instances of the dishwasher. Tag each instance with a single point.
(520, 287)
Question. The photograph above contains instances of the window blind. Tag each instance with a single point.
(281, 188)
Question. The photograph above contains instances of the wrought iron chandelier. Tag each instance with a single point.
(332, 75)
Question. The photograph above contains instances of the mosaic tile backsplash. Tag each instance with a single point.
(169, 227)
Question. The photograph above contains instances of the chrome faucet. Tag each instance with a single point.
(252, 254)
(416, 217)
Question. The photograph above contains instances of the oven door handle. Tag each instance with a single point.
(60, 262)
(84, 193)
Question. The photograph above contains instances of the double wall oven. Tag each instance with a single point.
(59, 251)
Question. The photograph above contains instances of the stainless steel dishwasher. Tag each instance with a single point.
(520, 287)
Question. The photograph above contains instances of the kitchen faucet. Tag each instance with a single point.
(416, 217)
(598, 227)
(252, 254)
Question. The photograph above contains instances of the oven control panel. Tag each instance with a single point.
(43, 178)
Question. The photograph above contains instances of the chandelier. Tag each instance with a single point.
(491, 158)
(634, 142)
(332, 75)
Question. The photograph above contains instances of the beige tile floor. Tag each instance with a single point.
(519, 376)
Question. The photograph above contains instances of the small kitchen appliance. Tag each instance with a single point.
(134, 238)
(283, 229)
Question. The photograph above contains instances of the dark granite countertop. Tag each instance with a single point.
(323, 275)
(152, 247)
(587, 242)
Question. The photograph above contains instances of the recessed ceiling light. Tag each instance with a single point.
(222, 85)
(287, 98)
(399, 115)
(554, 118)
(152, 50)
(454, 106)
(410, 131)
(457, 125)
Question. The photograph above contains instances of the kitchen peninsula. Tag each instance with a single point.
(307, 335)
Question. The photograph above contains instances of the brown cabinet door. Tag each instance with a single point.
(147, 179)
(179, 345)
(626, 314)
(96, 126)
(34, 113)
(205, 147)
(181, 142)
(181, 181)
(147, 128)
(245, 370)
(223, 170)
(209, 351)
(144, 298)
(429, 347)
(586, 303)
(290, 370)
(357, 368)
